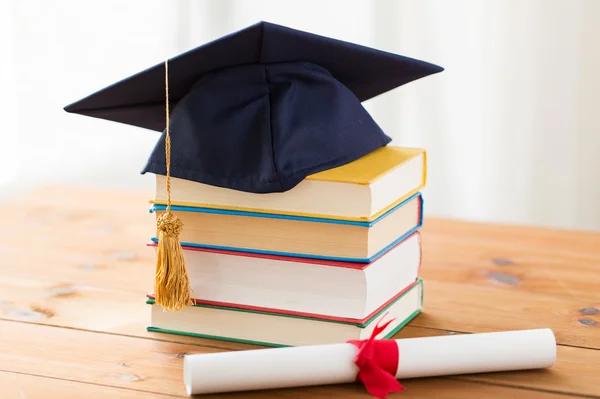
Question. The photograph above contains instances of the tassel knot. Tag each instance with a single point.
(169, 225)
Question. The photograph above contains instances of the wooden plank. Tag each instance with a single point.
(155, 366)
(456, 389)
(101, 359)
(25, 386)
(473, 308)
(87, 308)
(69, 217)
(448, 306)
(80, 237)
(544, 261)
(123, 268)
(564, 377)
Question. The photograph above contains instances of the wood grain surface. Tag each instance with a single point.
(75, 269)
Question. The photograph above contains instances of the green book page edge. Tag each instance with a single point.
(269, 344)
(419, 283)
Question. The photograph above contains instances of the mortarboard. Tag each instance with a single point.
(257, 110)
(260, 109)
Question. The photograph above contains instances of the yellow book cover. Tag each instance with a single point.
(361, 190)
(370, 167)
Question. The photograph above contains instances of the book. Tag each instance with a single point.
(287, 235)
(272, 329)
(361, 190)
(343, 291)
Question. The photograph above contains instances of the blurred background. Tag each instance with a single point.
(512, 126)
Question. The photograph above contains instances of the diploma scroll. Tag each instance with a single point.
(337, 363)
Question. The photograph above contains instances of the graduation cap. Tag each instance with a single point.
(257, 110)
(260, 109)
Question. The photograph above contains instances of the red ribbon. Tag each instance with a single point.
(377, 361)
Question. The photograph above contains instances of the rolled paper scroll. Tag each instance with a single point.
(369, 361)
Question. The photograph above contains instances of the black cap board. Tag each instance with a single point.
(260, 109)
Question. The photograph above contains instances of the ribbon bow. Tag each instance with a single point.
(377, 361)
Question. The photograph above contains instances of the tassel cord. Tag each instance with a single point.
(172, 287)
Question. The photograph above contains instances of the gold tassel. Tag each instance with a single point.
(172, 285)
(172, 290)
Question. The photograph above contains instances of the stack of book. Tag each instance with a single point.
(321, 263)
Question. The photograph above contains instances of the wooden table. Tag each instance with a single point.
(75, 269)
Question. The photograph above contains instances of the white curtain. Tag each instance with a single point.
(512, 126)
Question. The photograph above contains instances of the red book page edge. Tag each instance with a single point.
(301, 314)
